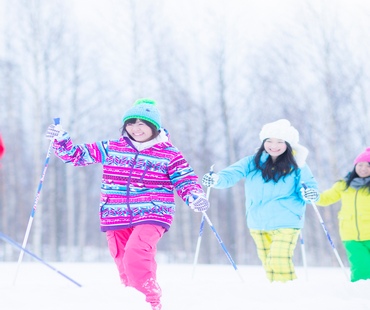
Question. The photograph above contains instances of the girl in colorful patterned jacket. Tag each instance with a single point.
(275, 207)
(141, 171)
(354, 216)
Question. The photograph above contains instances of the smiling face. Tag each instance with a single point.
(363, 169)
(275, 147)
(139, 131)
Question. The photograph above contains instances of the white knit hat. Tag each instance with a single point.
(282, 129)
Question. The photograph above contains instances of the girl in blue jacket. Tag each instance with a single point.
(275, 207)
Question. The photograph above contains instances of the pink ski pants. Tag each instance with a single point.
(133, 250)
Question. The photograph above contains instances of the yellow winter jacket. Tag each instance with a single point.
(354, 215)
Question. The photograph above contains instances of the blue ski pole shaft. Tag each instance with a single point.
(327, 234)
(198, 245)
(15, 244)
(303, 254)
(222, 245)
(201, 230)
(37, 196)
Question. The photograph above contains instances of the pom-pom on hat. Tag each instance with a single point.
(281, 129)
(363, 157)
(144, 109)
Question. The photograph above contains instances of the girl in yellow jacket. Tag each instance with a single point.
(354, 215)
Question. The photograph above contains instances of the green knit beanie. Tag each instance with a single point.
(144, 109)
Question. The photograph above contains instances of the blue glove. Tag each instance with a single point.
(198, 202)
(310, 194)
(210, 179)
(54, 131)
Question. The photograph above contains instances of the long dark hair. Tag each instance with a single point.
(352, 175)
(284, 164)
(154, 129)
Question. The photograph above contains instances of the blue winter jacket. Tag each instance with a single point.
(269, 205)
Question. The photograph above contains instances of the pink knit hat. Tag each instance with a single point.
(363, 157)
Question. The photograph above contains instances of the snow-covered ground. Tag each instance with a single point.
(217, 287)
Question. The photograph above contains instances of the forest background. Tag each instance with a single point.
(218, 69)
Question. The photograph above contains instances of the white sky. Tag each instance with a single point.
(262, 15)
(258, 17)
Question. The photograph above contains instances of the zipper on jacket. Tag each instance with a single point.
(129, 178)
(128, 185)
(356, 216)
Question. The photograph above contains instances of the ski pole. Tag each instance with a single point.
(201, 229)
(15, 244)
(32, 215)
(327, 234)
(198, 244)
(222, 245)
(303, 253)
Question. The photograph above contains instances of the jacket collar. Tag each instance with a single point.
(162, 137)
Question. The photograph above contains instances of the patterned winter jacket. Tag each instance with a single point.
(137, 186)
(354, 215)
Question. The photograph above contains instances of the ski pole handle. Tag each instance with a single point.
(56, 120)
(209, 188)
(311, 198)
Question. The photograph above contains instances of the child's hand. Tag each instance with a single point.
(54, 131)
(198, 203)
(210, 179)
(310, 194)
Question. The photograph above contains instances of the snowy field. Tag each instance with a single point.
(216, 287)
